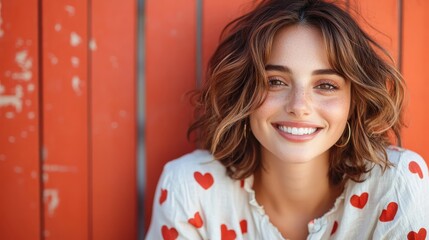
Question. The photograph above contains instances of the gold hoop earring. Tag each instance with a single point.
(348, 137)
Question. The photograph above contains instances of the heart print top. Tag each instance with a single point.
(195, 199)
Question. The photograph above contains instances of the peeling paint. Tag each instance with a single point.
(75, 39)
(33, 174)
(31, 115)
(13, 100)
(31, 87)
(70, 10)
(25, 63)
(45, 177)
(9, 115)
(58, 27)
(75, 61)
(76, 85)
(1, 22)
(92, 44)
(53, 59)
(52, 200)
(59, 168)
(19, 42)
(18, 170)
(44, 153)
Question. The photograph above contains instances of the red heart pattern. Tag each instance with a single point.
(415, 168)
(389, 213)
(421, 235)
(196, 220)
(334, 228)
(163, 196)
(359, 201)
(169, 233)
(205, 181)
(243, 226)
(242, 183)
(227, 234)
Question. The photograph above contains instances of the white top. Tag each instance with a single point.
(195, 199)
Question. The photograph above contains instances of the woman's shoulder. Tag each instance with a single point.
(407, 165)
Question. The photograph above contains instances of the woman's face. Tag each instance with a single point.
(308, 103)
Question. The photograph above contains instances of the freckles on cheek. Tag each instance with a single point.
(338, 107)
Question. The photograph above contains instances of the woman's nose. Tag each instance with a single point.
(298, 102)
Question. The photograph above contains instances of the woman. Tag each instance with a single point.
(295, 120)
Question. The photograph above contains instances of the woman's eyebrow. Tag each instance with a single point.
(280, 68)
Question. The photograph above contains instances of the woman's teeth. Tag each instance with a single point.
(297, 131)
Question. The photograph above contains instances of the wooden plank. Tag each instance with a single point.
(19, 120)
(65, 119)
(415, 64)
(215, 22)
(113, 120)
(170, 73)
(381, 25)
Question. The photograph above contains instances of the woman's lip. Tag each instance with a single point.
(296, 124)
(294, 137)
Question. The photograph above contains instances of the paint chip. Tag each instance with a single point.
(52, 200)
(76, 85)
(58, 27)
(31, 115)
(18, 170)
(25, 62)
(92, 44)
(10, 115)
(31, 87)
(11, 139)
(53, 59)
(75, 39)
(2, 157)
(114, 125)
(75, 61)
(14, 100)
(70, 10)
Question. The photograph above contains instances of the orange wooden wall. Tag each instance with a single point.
(68, 104)
(67, 119)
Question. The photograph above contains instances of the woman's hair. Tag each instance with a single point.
(236, 85)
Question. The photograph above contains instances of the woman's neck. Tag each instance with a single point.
(302, 189)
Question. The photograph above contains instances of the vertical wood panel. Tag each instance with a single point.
(170, 73)
(113, 120)
(382, 25)
(415, 67)
(65, 111)
(19, 120)
(215, 22)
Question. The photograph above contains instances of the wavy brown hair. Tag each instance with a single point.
(236, 85)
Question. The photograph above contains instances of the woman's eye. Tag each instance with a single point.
(275, 83)
(327, 86)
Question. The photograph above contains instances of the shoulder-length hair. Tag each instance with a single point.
(236, 85)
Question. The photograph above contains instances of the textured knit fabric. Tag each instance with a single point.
(195, 199)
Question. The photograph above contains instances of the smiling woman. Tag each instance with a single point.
(295, 120)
